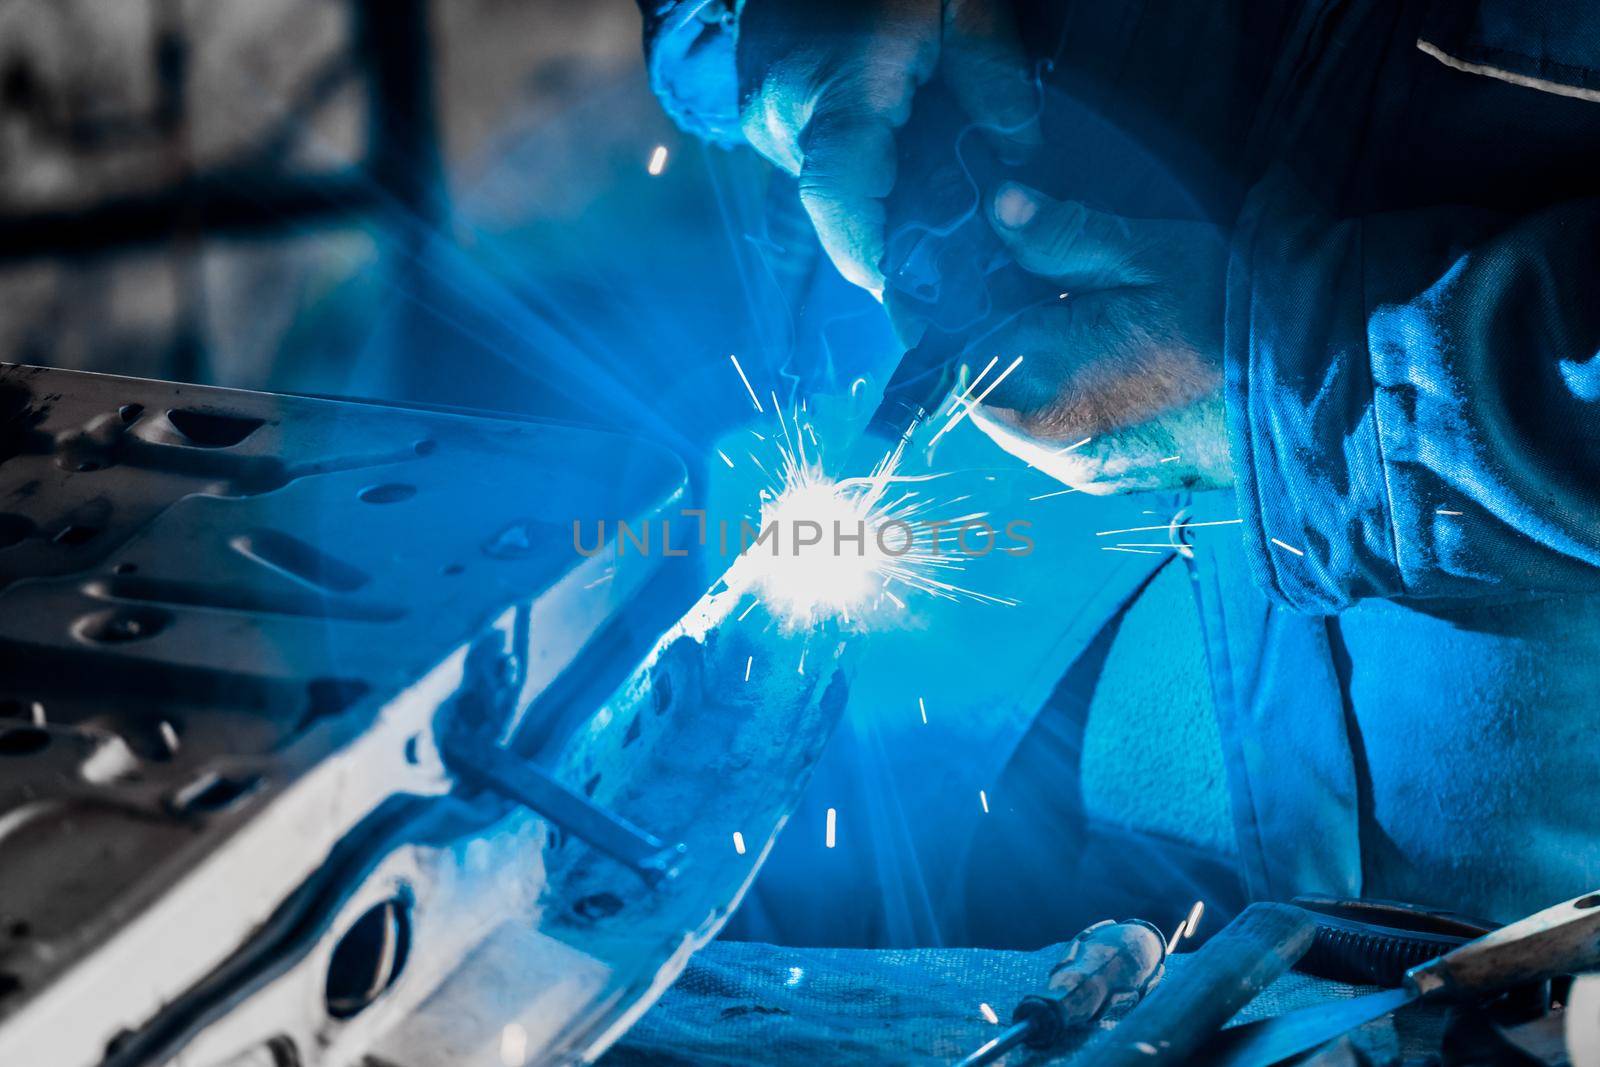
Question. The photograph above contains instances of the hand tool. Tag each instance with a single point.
(1374, 942)
(1564, 939)
(1223, 976)
(1107, 967)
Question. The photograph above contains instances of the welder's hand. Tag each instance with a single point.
(824, 85)
(1129, 356)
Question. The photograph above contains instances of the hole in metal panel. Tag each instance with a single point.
(23, 741)
(295, 602)
(388, 493)
(298, 559)
(76, 534)
(212, 429)
(368, 959)
(129, 412)
(214, 792)
(121, 625)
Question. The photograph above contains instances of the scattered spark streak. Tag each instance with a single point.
(1192, 923)
(514, 1045)
(658, 160)
(1446, 511)
(1063, 296)
(1069, 448)
(988, 1013)
(901, 604)
(747, 611)
(757, 434)
(802, 668)
(748, 664)
(602, 580)
(1135, 551)
(725, 458)
(1148, 544)
(1172, 459)
(833, 824)
(1169, 526)
(983, 798)
(813, 435)
(923, 707)
(1047, 496)
(957, 400)
(169, 736)
(956, 419)
(1288, 547)
(738, 842)
(1177, 935)
(746, 382)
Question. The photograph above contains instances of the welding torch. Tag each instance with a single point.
(945, 269)
(1107, 967)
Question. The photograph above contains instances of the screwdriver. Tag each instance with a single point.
(1108, 966)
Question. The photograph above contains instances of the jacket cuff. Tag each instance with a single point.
(690, 50)
(1302, 426)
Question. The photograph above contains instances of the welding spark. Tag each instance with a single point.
(1171, 459)
(839, 544)
(748, 663)
(957, 399)
(738, 842)
(1169, 526)
(746, 381)
(983, 798)
(658, 160)
(988, 1013)
(1072, 447)
(1192, 923)
(725, 458)
(830, 836)
(1289, 547)
(922, 707)
(1047, 496)
(1134, 551)
(747, 611)
(1445, 511)
(967, 409)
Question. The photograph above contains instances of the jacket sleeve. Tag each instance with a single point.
(1414, 399)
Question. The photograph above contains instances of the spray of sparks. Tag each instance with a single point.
(901, 553)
